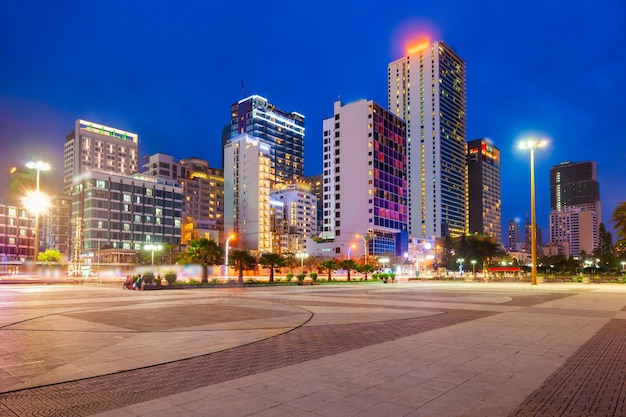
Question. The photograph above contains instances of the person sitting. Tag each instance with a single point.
(128, 284)
(137, 285)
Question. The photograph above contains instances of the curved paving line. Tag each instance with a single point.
(589, 383)
(93, 395)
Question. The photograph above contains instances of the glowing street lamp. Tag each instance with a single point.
(623, 265)
(533, 144)
(38, 201)
(460, 262)
(226, 258)
(302, 256)
(349, 249)
(364, 246)
(473, 261)
(384, 261)
(152, 248)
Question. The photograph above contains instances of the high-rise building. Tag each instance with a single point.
(427, 89)
(484, 200)
(365, 167)
(514, 234)
(248, 180)
(56, 225)
(283, 131)
(576, 209)
(17, 235)
(575, 185)
(94, 146)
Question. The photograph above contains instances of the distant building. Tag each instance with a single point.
(203, 194)
(427, 89)
(365, 168)
(485, 203)
(317, 188)
(121, 214)
(514, 234)
(248, 181)
(283, 131)
(576, 209)
(92, 146)
(56, 222)
(298, 217)
(17, 235)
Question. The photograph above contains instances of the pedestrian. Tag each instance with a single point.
(137, 285)
(128, 284)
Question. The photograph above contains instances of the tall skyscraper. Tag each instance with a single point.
(576, 209)
(514, 234)
(94, 146)
(283, 131)
(365, 168)
(248, 179)
(427, 89)
(484, 201)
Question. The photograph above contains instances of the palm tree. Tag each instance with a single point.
(271, 261)
(348, 265)
(206, 252)
(329, 266)
(242, 259)
(365, 269)
(618, 218)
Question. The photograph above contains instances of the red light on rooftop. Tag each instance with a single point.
(418, 46)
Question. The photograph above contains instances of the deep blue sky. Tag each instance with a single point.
(169, 70)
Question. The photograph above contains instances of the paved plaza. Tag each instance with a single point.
(365, 349)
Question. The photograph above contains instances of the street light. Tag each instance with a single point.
(152, 248)
(302, 256)
(383, 261)
(37, 201)
(623, 264)
(364, 246)
(473, 261)
(460, 262)
(532, 144)
(226, 258)
(349, 249)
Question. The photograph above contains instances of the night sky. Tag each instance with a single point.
(169, 71)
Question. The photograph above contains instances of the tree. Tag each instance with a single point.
(271, 261)
(206, 252)
(618, 218)
(50, 255)
(348, 265)
(604, 250)
(241, 259)
(329, 266)
(365, 269)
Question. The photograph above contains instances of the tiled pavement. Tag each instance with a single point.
(415, 349)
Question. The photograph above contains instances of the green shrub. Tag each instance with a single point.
(213, 281)
(289, 277)
(170, 277)
(392, 277)
(148, 277)
(313, 276)
(301, 278)
(375, 277)
(253, 281)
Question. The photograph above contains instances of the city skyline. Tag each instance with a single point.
(170, 75)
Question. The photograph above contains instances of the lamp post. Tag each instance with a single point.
(532, 144)
(226, 258)
(364, 246)
(460, 262)
(302, 256)
(623, 265)
(38, 166)
(152, 248)
(383, 261)
(473, 261)
(349, 249)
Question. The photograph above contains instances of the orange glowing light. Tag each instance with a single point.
(418, 46)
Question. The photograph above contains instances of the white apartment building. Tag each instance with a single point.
(94, 146)
(364, 180)
(248, 181)
(575, 230)
(427, 89)
(299, 215)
